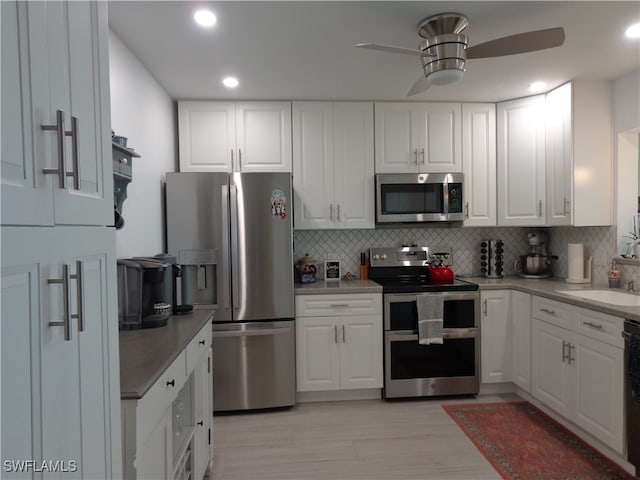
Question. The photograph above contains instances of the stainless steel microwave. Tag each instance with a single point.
(418, 197)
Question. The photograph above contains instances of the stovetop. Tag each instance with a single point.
(405, 270)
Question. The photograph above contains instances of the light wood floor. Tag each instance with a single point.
(369, 439)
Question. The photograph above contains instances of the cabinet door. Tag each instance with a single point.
(599, 409)
(353, 157)
(26, 192)
(202, 447)
(263, 137)
(396, 146)
(207, 136)
(551, 380)
(84, 97)
(313, 178)
(521, 162)
(154, 459)
(25, 269)
(495, 326)
(361, 352)
(521, 339)
(439, 134)
(317, 355)
(479, 164)
(559, 156)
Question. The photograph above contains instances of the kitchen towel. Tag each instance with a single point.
(430, 319)
(575, 258)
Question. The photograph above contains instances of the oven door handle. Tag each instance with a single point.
(452, 334)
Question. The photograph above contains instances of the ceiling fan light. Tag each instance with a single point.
(445, 77)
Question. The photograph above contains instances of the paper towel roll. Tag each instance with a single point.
(575, 257)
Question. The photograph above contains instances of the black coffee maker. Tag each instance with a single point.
(176, 273)
(144, 293)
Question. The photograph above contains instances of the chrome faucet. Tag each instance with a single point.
(631, 286)
(631, 247)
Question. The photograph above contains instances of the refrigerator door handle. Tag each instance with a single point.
(236, 251)
(226, 251)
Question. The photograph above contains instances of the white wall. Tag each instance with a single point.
(142, 111)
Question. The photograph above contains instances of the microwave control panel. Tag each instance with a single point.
(455, 197)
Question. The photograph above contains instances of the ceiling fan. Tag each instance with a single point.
(444, 50)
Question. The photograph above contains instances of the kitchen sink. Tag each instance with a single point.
(606, 296)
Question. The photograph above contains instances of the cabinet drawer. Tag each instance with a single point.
(599, 326)
(122, 163)
(556, 313)
(158, 399)
(198, 347)
(340, 304)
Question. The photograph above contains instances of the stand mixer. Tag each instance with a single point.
(537, 263)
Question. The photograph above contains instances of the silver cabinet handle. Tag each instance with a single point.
(75, 173)
(567, 207)
(78, 277)
(339, 305)
(335, 334)
(239, 160)
(550, 312)
(572, 349)
(232, 165)
(338, 211)
(564, 355)
(540, 208)
(466, 210)
(484, 307)
(344, 335)
(415, 153)
(66, 302)
(593, 325)
(60, 133)
(422, 153)
(331, 211)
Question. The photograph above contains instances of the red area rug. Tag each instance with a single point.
(523, 443)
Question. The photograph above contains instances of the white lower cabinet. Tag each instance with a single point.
(577, 369)
(521, 339)
(168, 432)
(495, 334)
(339, 342)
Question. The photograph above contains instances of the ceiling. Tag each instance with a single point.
(305, 50)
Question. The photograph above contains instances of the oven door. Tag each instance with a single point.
(415, 370)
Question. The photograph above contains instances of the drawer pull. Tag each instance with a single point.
(201, 342)
(171, 383)
(593, 325)
(550, 312)
(339, 305)
(201, 422)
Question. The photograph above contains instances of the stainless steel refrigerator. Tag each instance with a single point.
(232, 236)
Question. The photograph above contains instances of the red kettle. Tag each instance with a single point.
(440, 274)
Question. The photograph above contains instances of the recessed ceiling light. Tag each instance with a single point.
(230, 82)
(633, 31)
(205, 18)
(537, 87)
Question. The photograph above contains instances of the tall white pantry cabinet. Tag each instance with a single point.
(60, 401)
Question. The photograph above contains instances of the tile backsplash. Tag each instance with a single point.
(346, 245)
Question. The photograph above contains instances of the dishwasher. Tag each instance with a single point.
(632, 405)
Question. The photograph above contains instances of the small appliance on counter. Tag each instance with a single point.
(491, 258)
(179, 308)
(536, 263)
(144, 293)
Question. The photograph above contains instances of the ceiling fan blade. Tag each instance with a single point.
(394, 49)
(519, 43)
(420, 86)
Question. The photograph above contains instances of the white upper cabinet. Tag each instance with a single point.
(333, 165)
(479, 164)
(55, 115)
(579, 157)
(521, 162)
(418, 137)
(234, 137)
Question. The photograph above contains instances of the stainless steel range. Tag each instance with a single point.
(446, 365)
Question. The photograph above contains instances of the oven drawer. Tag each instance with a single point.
(338, 305)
